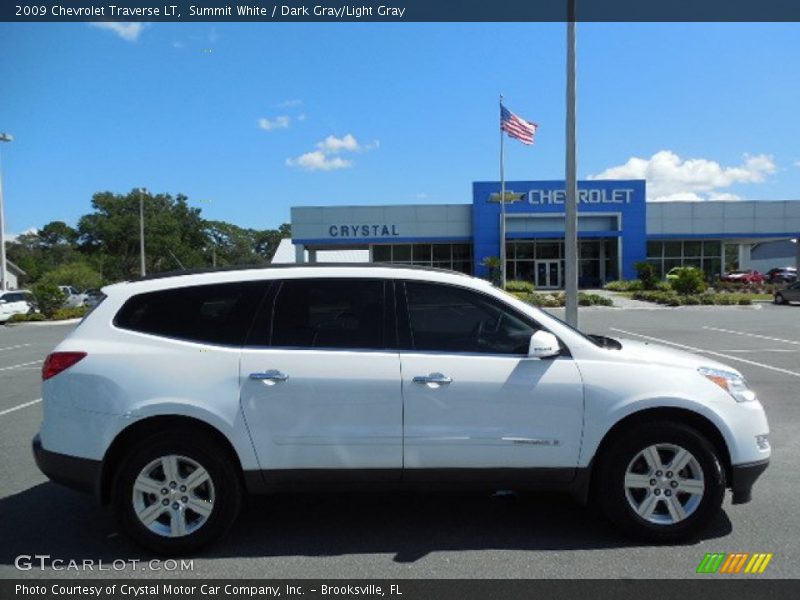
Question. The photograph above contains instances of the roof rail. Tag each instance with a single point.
(202, 271)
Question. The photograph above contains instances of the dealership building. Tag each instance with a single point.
(616, 229)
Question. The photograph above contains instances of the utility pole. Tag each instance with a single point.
(571, 213)
(4, 137)
(142, 192)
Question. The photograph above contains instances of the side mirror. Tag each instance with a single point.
(543, 345)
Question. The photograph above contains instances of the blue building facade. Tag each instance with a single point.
(612, 229)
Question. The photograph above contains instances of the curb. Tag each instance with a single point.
(43, 323)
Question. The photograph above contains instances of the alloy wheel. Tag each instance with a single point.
(664, 484)
(173, 496)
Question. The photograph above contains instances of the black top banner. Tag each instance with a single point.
(397, 11)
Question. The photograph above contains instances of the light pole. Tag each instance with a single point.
(571, 212)
(142, 192)
(4, 137)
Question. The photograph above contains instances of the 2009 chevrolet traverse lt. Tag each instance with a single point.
(178, 394)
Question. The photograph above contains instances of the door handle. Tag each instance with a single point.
(271, 375)
(437, 378)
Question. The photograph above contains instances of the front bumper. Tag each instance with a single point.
(81, 474)
(743, 477)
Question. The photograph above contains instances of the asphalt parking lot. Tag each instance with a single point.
(429, 535)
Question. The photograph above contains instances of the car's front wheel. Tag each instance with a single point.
(661, 482)
(176, 493)
(779, 299)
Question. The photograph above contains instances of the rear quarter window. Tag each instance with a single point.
(213, 314)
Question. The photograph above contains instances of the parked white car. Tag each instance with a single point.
(176, 395)
(15, 302)
(74, 298)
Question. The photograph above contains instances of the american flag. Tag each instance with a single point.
(517, 127)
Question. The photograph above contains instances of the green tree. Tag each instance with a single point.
(79, 274)
(174, 234)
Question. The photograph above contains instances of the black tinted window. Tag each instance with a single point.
(446, 318)
(330, 313)
(214, 314)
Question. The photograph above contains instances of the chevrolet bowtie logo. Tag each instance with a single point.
(736, 562)
(510, 197)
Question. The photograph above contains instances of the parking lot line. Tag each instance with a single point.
(27, 364)
(702, 351)
(755, 335)
(15, 347)
(19, 407)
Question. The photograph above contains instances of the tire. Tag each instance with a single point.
(669, 507)
(194, 515)
(779, 299)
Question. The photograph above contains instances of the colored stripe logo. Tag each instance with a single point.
(734, 563)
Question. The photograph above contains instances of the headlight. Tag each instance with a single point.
(732, 383)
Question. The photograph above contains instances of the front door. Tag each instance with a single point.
(320, 388)
(548, 274)
(473, 398)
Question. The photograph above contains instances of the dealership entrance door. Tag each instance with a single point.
(548, 274)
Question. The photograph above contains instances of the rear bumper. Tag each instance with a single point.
(743, 477)
(81, 474)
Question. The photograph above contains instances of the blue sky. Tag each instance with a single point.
(250, 119)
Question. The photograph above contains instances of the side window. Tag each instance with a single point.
(330, 313)
(213, 314)
(446, 318)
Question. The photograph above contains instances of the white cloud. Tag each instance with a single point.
(671, 178)
(334, 145)
(301, 117)
(281, 122)
(318, 161)
(127, 31)
(321, 159)
(289, 103)
(12, 237)
(178, 44)
(796, 163)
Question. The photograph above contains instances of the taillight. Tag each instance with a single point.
(59, 361)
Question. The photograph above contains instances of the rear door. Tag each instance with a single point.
(320, 382)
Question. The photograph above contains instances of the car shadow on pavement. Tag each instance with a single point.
(49, 519)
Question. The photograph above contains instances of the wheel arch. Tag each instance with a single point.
(672, 414)
(147, 427)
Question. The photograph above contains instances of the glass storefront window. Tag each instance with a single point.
(692, 249)
(422, 253)
(382, 253)
(712, 249)
(401, 253)
(672, 250)
(655, 249)
(442, 252)
(548, 250)
(523, 249)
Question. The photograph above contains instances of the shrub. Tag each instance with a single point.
(48, 297)
(707, 299)
(745, 301)
(517, 285)
(23, 317)
(594, 300)
(70, 313)
(622, 285)
(688, 281)
(646, 274)
(690, 300)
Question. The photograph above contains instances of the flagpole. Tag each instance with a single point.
(502, 204)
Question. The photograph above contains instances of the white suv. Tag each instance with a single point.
(178, 394)
(16, 302)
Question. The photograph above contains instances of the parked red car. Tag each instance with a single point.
(748, 276)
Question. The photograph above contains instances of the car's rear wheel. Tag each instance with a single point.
(779, 299)
(176, 493)
(661, 482)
